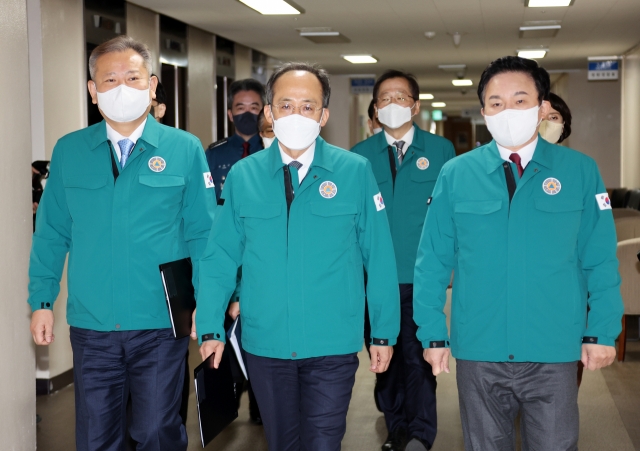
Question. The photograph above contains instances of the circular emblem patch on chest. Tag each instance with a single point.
(328, 190)
(157, 164)
(422, 163)
(551, 186)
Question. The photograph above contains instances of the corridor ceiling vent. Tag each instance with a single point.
(547, 3)
(426, 96)
(540, 29)
(360, 59)
(438, 105)
(430, 34)
(532, 54)
(323, 35)
(463, 82)
(273, 7)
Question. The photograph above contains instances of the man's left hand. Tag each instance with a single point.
(380, 358)
(194, 334)
(595, 357)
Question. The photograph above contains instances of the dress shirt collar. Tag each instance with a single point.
(407, 138)
(114, 136)
(526, 153)
(305, 159)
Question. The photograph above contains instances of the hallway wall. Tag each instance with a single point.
(630, 133)
(201, 98)
(338, 129)
(18, 413)
(144, 25)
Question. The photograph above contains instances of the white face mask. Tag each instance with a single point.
(513, 128)
(124, 104)
(266, 142)
(377, 130)
(551, 131)
(295, 131)
(394, 116)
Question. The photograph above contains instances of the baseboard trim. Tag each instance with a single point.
(48, 386)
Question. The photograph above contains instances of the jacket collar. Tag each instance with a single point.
(319, 159)
(380, 140)
(150, 134)
(543, 155)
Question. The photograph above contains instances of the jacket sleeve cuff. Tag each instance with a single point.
(41, 306)
(436, 344)
(383, 341)
(212, 336)
(596, 340)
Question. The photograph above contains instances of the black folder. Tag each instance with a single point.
(178, 290)
(216, 397)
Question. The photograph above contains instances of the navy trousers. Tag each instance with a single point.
(406, 392)
(303, 402)
(110, 366)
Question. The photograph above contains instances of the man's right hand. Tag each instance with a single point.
(42, 327)
(438, 358)
(234, 310)
(212, 347)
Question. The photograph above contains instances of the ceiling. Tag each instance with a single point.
(394, 32)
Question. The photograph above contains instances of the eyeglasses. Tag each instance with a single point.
(287, 109)
(399, 97)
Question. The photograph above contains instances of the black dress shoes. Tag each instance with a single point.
(396, 441)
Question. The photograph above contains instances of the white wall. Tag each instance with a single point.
(36, 80)
(201, 79)
(595, 107)
(144, 25)
(342, 118)
(17, 390)
(65, 110)
(630, 132)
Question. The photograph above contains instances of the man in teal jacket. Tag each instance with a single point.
(406, 162)
(124, 196)
(527, 228)
(302, 218)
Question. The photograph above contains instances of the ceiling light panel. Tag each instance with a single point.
(360, 59)
(438, 104)
(532, 54)
(271, 7)
(426, 96)
(325, 37)
(462, 82)
(548, 3)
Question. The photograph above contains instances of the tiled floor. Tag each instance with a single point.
(609, 411)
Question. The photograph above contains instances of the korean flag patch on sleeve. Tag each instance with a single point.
(208, 180)
(377, 199)
(604, 203)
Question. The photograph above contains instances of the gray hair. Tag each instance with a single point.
(315, 69)
(120, 44)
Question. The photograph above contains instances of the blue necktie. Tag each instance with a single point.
(126, 145)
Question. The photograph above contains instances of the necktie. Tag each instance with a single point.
(296, 164)
(399, 145)
(126, 146)
(245, 149)
(517, 160)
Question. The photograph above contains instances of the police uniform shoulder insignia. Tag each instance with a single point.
(328, 189)
(157, 164)
(422, 163)
(551, 186)
(218, 143)
(604, 203)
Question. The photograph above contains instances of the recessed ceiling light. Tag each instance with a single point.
(547, 3)
(604, 58)
(461, 82)
(269, 7)
(532, 54)
(426, 96)
(438, 104)
(360, 59)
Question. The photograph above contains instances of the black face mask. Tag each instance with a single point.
(246, 123)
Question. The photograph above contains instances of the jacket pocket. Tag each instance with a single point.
(161, 181)
(481, 207)
(552, 205)
(260, 211)
(328, 209)
(86, 181)
(421, 176)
